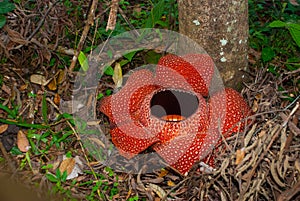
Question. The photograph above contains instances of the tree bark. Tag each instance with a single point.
(221, 28)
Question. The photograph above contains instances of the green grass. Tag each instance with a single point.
(271, 33)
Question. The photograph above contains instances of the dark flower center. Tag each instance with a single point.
(173, 105)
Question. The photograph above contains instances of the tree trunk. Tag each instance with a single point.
(221, 28)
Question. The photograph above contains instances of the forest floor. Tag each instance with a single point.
(42, 155)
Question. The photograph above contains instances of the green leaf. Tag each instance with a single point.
(295, 32)
(152, 57)
(131, 54)
(162, 23)
(83, 61)
(123, 62)
(16, 151)
(277, 24)
(110, 54)
(108, 92)
(8, 111)
(109, 71)
(272, 69)
(2, 20)
(99, 96)
(6, 6)
(22, 124)
(267, 54)
(155, 14)
(293, 60)
(44, 109)
(69, 117)
(51, 178)
(46, 167)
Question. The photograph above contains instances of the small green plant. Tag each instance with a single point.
(5, 7)
(59, 179)
(274, 30)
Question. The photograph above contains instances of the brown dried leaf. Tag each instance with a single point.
(286, 166)
(97, 141)
(15, 36)
(255, 106)
(171, 183)
(158, 190)
(262, 133)
(297, 165)
(52, 85)
(61, 76)
(56, 99)
(294, 129)
(46, 54)
(22, 141)
(249, 135)
(3, 128)
(275, 174)
(240, 155)
(38, 79)
(117, 76)
(163, 173)
(294, 2)
(67, 165)
(23, 87)
(282, 141)
(6, 89)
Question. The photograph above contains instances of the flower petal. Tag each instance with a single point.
(131, 139)
(190, 72)
(228, 108)
(183, 151)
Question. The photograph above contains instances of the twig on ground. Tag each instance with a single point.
(78, 139)
(268, 148)
(41, 22)
(89, 23)
(7, 158)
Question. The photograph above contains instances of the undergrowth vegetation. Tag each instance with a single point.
(274, 40)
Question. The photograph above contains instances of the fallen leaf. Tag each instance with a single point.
(23, 87)
(38, 79)
(97, 141)
(61, 76)
(274, 174)
(6, 89)
(67, 165)
(158, 190)
(240, 155)
(261, 133)
(77, 168)
(52, 85)
(294, 128)
(171, 183)
(73, 166)
(117, 76)
(22, 141)
(255, 106)
(56, 99)
(294, 2)
(3, 128)
(163, 173)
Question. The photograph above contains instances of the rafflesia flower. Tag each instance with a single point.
(168, 111)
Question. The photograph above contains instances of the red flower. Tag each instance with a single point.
(167, 110)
